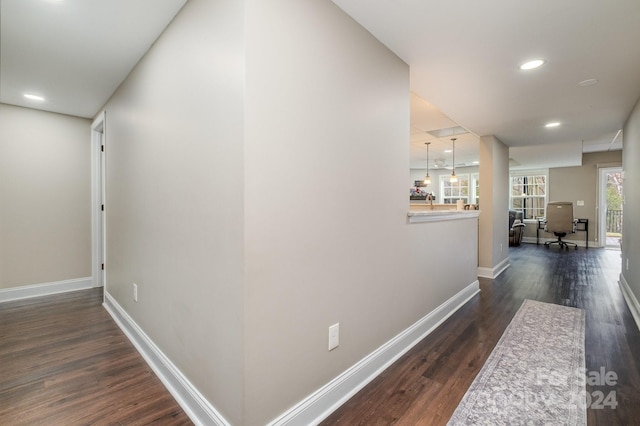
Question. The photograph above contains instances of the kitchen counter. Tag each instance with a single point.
(422, 216)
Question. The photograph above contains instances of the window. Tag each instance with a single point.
(529, 193)
(452, 192)
(466, 189)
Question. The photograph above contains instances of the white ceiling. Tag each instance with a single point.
(464, 58)
(427, 118)
(74, 53)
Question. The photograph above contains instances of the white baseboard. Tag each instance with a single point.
(630, 298)
(317, 406)
(199, 410)
(495, 271)
(44, 289)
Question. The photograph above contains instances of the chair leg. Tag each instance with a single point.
(561, 244)
(566, 244)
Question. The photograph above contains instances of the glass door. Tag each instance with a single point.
(610, 207)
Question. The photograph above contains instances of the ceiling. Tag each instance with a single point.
(463, 56)
(74, 53)
(430, 125)
(464, 59)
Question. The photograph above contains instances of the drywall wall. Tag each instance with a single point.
(493, 233)
(328, 115)
(174, 199)
(314, 256)
(235, 152)
(631, 224)
(45, 197)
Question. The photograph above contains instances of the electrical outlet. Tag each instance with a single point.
(334, 336)
(135, 292)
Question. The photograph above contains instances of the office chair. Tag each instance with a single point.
(560, 221)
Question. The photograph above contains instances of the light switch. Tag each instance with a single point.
(580, 202)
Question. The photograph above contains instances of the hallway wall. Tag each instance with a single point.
(631, 224)
(174, 208)
(45, 197)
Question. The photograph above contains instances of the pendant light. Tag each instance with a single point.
(453, 178)
(427, 179)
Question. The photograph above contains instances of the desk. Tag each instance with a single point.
(582, 225)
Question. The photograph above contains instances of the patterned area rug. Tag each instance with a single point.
(535, 374)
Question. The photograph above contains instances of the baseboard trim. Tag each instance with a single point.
(196, 406)
(320, 404)
(44, 289)
(492, 273)
(630, 298)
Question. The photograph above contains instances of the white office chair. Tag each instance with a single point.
(560, 221)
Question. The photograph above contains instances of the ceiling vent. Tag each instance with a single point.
(449, 131)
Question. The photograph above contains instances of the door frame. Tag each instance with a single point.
(603, 171)
(98, 192)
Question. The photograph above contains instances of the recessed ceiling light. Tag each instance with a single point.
(552, 124)
(33, 97)
(532, 64)
(447, 150)
(588, 82)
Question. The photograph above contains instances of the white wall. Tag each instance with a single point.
(233, 170)
(328, 114)
(493, 231)
(45, 198)
(631, 224)
(174, 203)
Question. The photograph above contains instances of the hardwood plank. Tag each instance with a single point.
(63, 361)
(449, 359)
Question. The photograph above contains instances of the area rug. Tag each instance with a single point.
(535, 374)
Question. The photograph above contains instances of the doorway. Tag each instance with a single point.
(610, 207)
(98, 239)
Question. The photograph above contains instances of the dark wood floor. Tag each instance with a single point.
(425, 386)
(63, 361)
